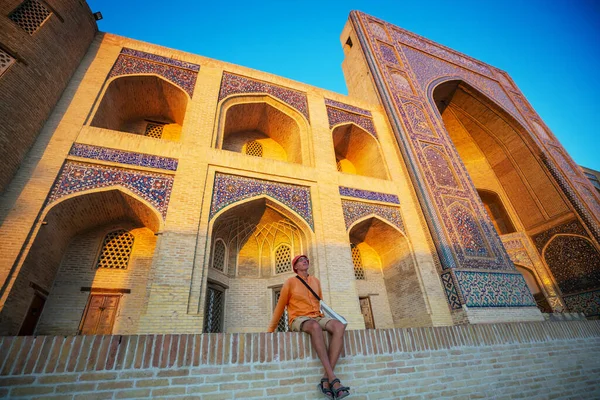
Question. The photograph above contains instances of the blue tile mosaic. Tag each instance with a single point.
(337, 116)
(133, 65)
(160, 59)
(450, 289)
(587, 303)
(368, 195)
(471, 238)
(490, 289)
(78, 177)
(347, 107)
(229, 189)
(355, 210)
(123, 157)
(236, 84)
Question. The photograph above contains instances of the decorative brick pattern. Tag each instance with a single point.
(368, 195)
(236, 84)
(347, 107)
(133, 62)
(337, 116)
(229, 189)
(450, 290)
(354, 210)
(123, 157)
(587, 303)
(30, 15)
(77, 177)
(487, 289)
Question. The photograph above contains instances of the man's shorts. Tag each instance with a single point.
(298, 321)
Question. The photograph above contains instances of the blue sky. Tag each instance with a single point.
(550, 48)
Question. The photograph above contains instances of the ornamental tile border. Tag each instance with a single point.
(488, 289)
(77, 177)
(587, 303)
(354, 210)
(450, 289)
(368, 195)
(160, 59)
(229, 189)
(123, 157)
(347, 107)
(235, 84)
(127, 64)
(337, 116)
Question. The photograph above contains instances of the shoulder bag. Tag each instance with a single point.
(325, 309)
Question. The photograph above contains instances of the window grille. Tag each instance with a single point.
(154, 130)
(116, 250)
(6, 60)
(283, 325)
(213, 314)
(30, 15)
(253, 148)
(283, 259)
(359, 271)
(219, 256)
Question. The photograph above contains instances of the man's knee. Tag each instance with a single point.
(311, 326)
(336, 327)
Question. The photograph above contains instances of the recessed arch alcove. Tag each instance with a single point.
(390, 273)
(535, 287)
(496, 211)
(279, 130)
(63, 259)
(252, 244)
(136, 103)
(357, 152)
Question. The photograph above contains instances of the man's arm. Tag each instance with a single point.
(280, 308)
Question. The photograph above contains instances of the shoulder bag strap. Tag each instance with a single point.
(309, 288)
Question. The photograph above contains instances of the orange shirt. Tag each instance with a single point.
(298, 299)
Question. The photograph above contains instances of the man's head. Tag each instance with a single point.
(297, 259)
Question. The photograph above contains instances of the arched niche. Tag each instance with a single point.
(496, 211)
(499, 154)
(143, 105)
(261, 237)
(536, 289)
(390, 272)
(357, 152)
(281, 131)
(63, 258)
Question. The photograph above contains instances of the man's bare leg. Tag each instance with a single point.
(316, 337)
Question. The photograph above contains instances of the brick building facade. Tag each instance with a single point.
(164, 192)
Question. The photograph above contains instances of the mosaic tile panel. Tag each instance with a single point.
(513, 244)
(488, 289)
(229, 189)
(417, 120)
(587, 303)
(401, 83)
(574, 262)
(439, 165)
(470, 235)
(540, 131)
(130, 65)
(450, 289)
(236, 84)
(355, 210)
(337, 116)
(77, 177)
(590, 199)
(368, 195)
(160, 59)
(347, 107)
(378, 30)
(571, 227)
(388, 54)
(123, 157)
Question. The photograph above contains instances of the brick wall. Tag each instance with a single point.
(518, 360)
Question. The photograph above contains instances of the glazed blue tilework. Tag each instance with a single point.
(587, 303)
(347, 107)
(355, 210)
(130, 65)
(571, 227)
(236, 84)
(368, 195)
(489, 289)
(160, 59)
(77, 177)
(229, 189)
(388, 53)
(439, 166)
(469, 233)
(337, 116)
(450, 289)
(123, 157)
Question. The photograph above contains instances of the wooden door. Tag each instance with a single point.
(365, 309)
(99, 315)
(33, 315)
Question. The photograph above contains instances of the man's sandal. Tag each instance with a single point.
(325, 390)
(345, 391)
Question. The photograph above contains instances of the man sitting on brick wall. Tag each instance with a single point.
(305, 315)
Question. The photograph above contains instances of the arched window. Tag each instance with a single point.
(359, 271)
(213, 312)
(253, 148)
(496, 212)
(283, 259)
(219, 256)
(116, 250)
